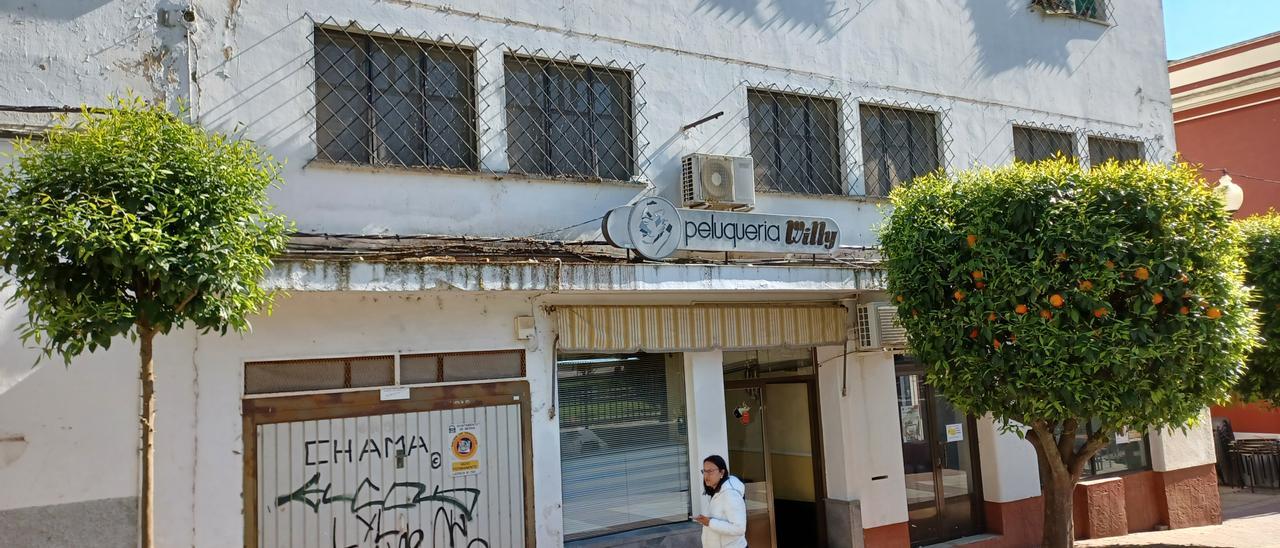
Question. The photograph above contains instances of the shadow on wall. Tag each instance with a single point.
(999, 32)
(46, 9)
(811, 18)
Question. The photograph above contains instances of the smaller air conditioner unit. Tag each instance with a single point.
(877, 328)
(718, 182)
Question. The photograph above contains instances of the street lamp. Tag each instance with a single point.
(1232, 195)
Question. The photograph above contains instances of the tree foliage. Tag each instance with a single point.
(1049, 296)
(1044, 292)
(1261, 234)
(134, 217)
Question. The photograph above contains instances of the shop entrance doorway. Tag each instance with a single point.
(940, 461)
(775, 445)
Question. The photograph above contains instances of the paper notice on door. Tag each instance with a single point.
(955, 432)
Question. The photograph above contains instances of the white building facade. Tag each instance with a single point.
(461, 357)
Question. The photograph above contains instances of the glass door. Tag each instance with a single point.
(958, 489)
(940, 462)
(793, 463)
(917, 457)
(748, 460)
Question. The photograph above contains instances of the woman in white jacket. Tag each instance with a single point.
(724, 499)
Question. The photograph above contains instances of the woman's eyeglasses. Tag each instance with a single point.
(711, 471)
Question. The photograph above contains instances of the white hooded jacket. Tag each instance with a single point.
(728, 513)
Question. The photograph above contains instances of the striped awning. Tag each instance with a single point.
(657, 328)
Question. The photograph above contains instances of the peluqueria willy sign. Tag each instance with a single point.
(655, 228)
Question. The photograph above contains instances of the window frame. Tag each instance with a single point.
(364, 41)
(1091, 138)
(839, 185)
(693, 490)
(397, 381)
(1071, 134)
(1090, 470)
(1056, 8)
(626, 116)
(937, 145)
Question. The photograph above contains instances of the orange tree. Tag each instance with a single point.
(1047, 296)
(1261, 381)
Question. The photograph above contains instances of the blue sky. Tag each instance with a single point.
(1197, 26)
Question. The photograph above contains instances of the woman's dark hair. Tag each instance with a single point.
(724, 469)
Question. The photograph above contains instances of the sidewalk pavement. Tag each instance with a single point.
(1250, 520)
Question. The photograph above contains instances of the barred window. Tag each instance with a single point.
(1031, 144)
(1089, 9)
(566, 119)
(392, 101)
(795, 142)
(1102, 149)
(898, 145)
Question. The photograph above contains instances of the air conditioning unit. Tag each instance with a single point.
(718, 182)
(877, 328)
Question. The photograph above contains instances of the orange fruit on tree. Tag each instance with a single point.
(959, 295)
(1184, 310)
(991, 317)
(1098, 313)
(996, 343)
(1021, 309)
(977, 274)
(1142, 273)
(1086, 285)
(973, 333)
(1056, 300)
(1062, 256)
(972, 239)
(1157, 298)
(901, 298)
(1110, 264)
(1213, 313)
(1183, 278)
(1046, 314)
(980, 285)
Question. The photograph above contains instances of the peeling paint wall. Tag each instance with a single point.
(77, 52)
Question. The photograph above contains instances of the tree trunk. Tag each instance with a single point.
(1061, 463)
(148, 420)
(1059, 520)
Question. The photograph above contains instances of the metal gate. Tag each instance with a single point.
(445, 468)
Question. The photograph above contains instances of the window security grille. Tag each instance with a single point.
(394, 100)
(898, 145)
(1102, 149)
(1088, 9)
(569, 119)
(795, 142)
(1035, 144)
